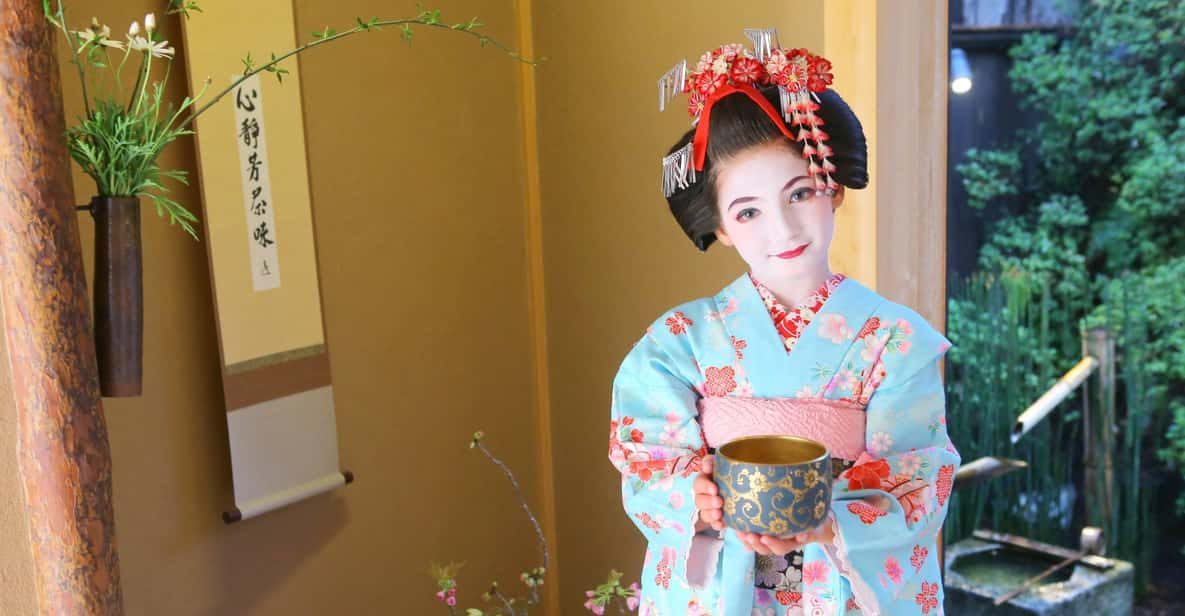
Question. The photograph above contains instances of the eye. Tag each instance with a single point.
(802, 194)
(747, 214)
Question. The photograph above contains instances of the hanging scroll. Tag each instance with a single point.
(258, 222)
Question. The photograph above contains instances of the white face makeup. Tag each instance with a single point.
(771, 213)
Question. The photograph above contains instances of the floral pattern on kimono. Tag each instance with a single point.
(780, 578)
(856, 348)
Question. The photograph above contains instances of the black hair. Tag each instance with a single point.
(737, 124)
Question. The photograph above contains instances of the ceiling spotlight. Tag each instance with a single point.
(960, 72)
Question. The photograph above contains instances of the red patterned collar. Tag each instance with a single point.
(791, 323)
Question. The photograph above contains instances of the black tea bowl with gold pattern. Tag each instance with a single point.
(774, 485)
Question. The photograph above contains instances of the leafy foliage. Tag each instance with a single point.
(1086, 211)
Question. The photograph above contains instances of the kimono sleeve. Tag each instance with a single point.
(657, 445)
(888, 509)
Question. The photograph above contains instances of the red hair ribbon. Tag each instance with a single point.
(701, 131)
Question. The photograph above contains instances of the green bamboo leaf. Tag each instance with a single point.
(273, 68)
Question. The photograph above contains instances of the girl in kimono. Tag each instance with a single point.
(790, 348)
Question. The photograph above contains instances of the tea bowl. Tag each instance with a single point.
(774, 485)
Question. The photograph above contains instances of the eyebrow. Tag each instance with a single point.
(740, 200)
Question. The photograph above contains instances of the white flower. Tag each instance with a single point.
(162, 50)
(133, 30)
(97, 35)
(159, 49)
(720, 66)
(149, 22)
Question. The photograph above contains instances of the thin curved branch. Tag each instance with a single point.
(427, 22)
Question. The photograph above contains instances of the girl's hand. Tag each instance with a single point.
(707, 499)
(765, 544)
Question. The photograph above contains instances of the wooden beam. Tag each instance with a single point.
(912, 58)
(64, 456)
(891, 65)
(890, 62)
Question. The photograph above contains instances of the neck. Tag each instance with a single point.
(792, 291)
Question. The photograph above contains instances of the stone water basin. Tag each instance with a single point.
(989, 565)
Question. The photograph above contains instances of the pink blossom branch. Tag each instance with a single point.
(501, 597)
(518, 491)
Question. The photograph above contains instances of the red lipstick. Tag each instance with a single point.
(790, 254)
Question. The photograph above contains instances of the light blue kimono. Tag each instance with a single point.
(860, 348)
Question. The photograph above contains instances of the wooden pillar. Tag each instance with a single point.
(891, 65)
(890, 60)
(64, 456)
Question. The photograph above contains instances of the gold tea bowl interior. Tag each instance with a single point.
(773, 450)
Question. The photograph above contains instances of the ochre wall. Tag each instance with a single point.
(416, 178)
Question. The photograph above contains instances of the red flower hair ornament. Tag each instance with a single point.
(732, 68)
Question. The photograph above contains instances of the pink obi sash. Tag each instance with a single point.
(838, 425)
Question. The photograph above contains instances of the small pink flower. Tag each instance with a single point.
(904, 327)
(732, 50)
(678, 323)
(880, 443)
(909, 464)
(928, 598)
(919, 557)
(631, 602)
(676, 500)
(846, 379)
(815, 571)
(719, 382)
(593, 607)
(776, 62)
(893, 569)
(836, 329)
(705, 60)
(672, 435)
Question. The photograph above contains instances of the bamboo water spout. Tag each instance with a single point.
(1050, 399)
(985, 469)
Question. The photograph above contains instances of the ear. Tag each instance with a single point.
(837, 198)
(722, 237)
